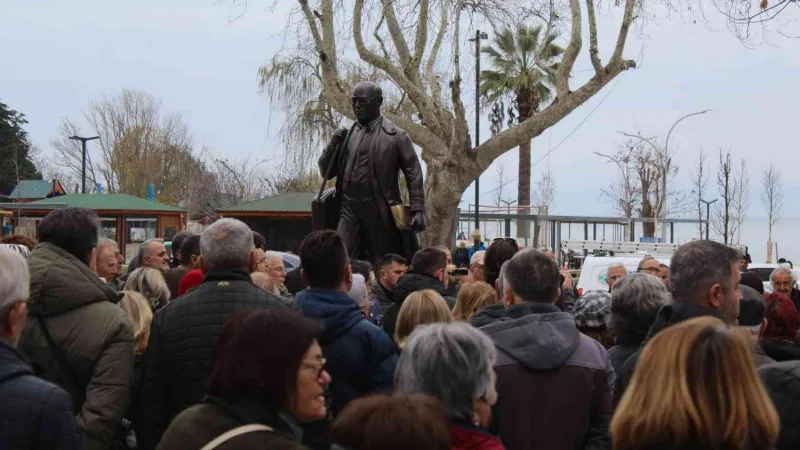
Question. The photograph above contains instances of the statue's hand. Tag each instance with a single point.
(417, 221)
(338, 137)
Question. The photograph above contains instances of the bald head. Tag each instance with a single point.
(367, 100)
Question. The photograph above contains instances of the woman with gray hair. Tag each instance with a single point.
(635, 302)
(453, 362)
(358, 292)
(150, 283)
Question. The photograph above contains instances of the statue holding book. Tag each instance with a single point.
(366, 207)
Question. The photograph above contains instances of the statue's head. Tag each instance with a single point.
(367, 100)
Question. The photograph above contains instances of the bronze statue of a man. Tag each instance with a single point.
(366, 161)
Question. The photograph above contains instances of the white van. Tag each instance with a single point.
(595, 268)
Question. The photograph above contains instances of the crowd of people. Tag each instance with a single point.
(219, 347)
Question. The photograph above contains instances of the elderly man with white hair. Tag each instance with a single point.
(784, 282)
(614, 273)
(454, 363)
(36, 414)
(184, 333)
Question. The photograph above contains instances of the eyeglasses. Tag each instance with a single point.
(361, 100)
(276, 269)
(653, 270)
(318, 366)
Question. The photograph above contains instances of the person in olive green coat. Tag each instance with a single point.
(84, 322)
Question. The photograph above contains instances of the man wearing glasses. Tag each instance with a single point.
(366, 161)
(651, 266)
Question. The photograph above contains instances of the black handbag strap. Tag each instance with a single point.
(333, 161)
(58, 353)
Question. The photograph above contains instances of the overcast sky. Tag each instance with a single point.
(61, 54)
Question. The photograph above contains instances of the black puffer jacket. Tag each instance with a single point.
(183, 340)
(407, 285)
(782, 381)
(35, 414)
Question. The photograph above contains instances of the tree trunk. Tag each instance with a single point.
(526, 104)
(444, 186)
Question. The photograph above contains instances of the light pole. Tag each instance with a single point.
(478, 37)
(708, 214)
(83, 158)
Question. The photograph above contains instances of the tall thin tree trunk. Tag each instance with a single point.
(526, 105)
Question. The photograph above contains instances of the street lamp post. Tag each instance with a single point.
(478, 37)
(83, 158)
(708, 214)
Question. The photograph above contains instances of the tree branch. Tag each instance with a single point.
(417, 95)
(328, 33)
(538, 54)
(334, 93)
(622, 38)
(571, 52)
(530, 128)
(422, 37)
(594, 53)
(437, 44)
(396, 33)
(459, 126)
(419, 134)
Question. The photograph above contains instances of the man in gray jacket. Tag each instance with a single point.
(76, 336)
(554, 385)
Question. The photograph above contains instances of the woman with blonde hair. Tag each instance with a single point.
(472, 298)
(150, 283)
(138, 310)
(695, 387)
(140, 313)
(420, 308)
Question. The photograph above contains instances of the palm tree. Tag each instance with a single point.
(518, 75)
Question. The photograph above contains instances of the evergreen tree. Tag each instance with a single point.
(15, 162)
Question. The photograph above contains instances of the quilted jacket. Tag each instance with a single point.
(82, 316)
(782, 381)
(35, 414)
(183, 340)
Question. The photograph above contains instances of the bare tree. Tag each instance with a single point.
(699, 187)
(638, 190)
(414, 49)
(624, 192)
(743, 17)
(499, 195)
(742, 200)
(544, 194)
(245, 179)
(724, 212)
(772, 200)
